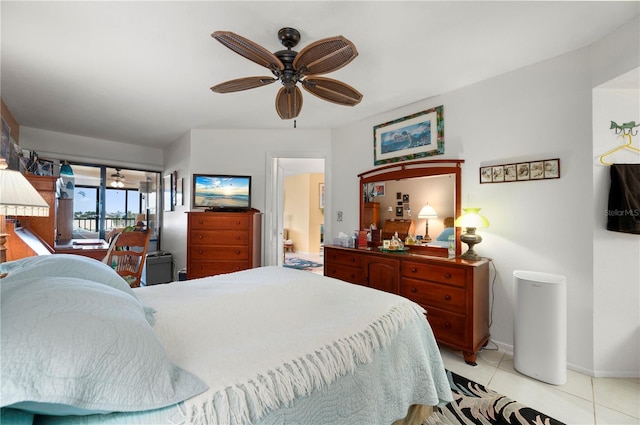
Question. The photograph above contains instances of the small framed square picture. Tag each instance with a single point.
(498, 173)
(536, 170)
(510, 172)
(523, 171)
(486, 174)
(399, 211)
(552, 169)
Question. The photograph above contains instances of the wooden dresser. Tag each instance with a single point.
(44, 227)
(370, 215)
(223, 242)
(454, 292)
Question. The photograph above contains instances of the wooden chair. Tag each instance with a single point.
(127, 255)
(287, 243)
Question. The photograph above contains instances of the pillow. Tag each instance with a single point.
(74, 347)
(70, 265)
(444, 236)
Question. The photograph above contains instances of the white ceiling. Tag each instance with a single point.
(140, 72)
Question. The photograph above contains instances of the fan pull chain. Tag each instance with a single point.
(294, 123)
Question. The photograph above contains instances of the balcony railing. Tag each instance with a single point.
(91, 224)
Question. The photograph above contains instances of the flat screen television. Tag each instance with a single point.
(216, 192)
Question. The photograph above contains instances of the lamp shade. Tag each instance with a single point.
(66, 169)
(471, 218)
(427, 212)
(18, 197)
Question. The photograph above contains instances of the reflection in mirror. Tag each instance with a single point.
(392, 197)
(403, 200)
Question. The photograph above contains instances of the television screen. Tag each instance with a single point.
(221, 192)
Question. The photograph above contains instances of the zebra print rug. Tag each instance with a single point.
(474, 404)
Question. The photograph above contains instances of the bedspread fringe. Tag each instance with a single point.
(245, 403)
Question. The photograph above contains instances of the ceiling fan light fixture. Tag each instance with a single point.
(118, 179)
(289, 66)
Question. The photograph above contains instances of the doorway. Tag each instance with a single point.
(294, 206)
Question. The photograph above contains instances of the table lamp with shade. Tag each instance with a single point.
(471, 219)
(17, 198)
(427, 212)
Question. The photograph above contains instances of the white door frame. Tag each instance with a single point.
(274, 204)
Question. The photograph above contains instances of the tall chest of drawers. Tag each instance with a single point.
(454, 292)
(223, 242)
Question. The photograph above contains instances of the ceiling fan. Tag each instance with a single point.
(291, 67)
(118, 179)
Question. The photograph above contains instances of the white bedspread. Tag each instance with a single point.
(295, 332)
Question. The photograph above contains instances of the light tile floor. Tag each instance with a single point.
(582, 400)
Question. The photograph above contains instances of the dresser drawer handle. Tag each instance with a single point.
(447, 275)
(447, 325)
(414, 290)
(353, 260)
(447, 297)
(414, 270)
(200, 236)
(200, 251)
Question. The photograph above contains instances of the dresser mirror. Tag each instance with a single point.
(392, 197)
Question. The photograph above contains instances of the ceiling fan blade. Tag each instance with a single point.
(332, 90)
(289, 102)
(324, 56)
(249, 49)
(240, 84)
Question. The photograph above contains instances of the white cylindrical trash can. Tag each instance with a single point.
(540, 329)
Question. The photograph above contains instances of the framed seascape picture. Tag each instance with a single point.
(410, 137)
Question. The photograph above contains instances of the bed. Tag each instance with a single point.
(263, 346)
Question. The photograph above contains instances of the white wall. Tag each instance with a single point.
(174, 223)
(538, 112)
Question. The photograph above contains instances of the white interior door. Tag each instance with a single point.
(279, 200)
